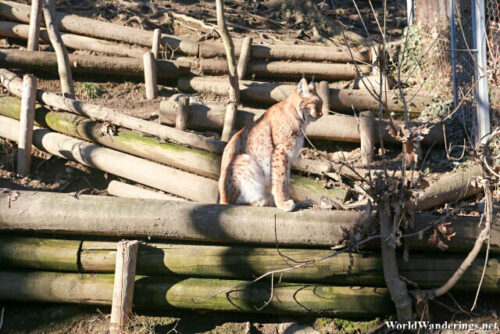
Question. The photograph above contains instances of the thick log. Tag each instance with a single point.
(162, 294)
(97, 215)
(123, 287)
(150, 75)
(120, 189)
(34, 26)
(267, 93)
(158, 176)
(74, 42)
(241, 262)
(14, 85)
(99, 29)
(210, 117)
(287, 70)
(291, 52)
(195, 161)
(46, 61)
(26, 121)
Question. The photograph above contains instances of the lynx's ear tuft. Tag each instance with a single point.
(312, 86)
(303, 88)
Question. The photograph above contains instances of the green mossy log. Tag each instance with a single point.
(161, 293)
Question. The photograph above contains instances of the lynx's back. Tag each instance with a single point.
(256, 162)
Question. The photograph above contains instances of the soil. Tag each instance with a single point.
(246, 18)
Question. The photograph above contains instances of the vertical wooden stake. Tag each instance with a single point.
(123, 289)
(324, 93)
(246, 50)
(182, 113)
(156, 43)
(26, 121)
(35, 19)
(150, 75)
(366, 134)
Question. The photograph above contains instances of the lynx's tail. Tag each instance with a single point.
(230, 151)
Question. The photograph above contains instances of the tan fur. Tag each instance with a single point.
(256, 162)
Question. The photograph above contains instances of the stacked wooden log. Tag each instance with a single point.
(207, 276)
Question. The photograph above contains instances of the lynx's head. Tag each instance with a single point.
(310, 104)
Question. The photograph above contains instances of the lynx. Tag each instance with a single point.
(256, 162)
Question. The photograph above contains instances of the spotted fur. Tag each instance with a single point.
(256, 162)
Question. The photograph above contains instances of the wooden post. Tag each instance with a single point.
(324, 93)
(150, 75)
(34, 30)
(156, 43)
(123, 289)
(27, 118)
(63, 65)
(246, 49)
(367, 137)
(182, 113)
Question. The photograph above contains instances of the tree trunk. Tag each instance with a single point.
(287, 70)
(329, 127)
(14, 84)
(75, 42)
(244, 57)
(34, 26)
(367, 137)
(26, 121)
(163, 294)
(150, 81)
(47, 62)
(268, 93)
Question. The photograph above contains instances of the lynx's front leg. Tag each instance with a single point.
(280, 174)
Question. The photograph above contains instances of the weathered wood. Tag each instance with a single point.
(244, 57)
(14, 85)
(99, 29)
(150, 81)
(182, 113)
(291, 52)
(162, 294)
(72, 41)
(155, 48)
(287, 70)
(195, 161)
(120, 189)
(26, 121)
(268, 93)
(123, 286)
(34, 26)
(367, 136)
(63, 66)
(100, 215)
(324, 93)
(241, 262)
(158, 176)
(329, 127)
(46, 61)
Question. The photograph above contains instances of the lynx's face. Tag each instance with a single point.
(311, 104)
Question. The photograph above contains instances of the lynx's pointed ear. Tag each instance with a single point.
(312, 85)
(303, 88)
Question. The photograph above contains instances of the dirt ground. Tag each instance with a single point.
(246, 18)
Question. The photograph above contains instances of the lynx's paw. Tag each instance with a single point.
(287, 206)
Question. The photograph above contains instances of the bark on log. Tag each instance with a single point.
(195, 161)
(267, 93)
(290, 52)
(14, 85)
(287, 70)
(97, 215)
(240, 262)
(34, 26)
(74, 42)
(123, 286)
(63, 66)
(150, 75)
(120, 189)
(99, 29)
(26, 121)
(158, 176)
(163, 294)
(210, 117)
(46, 61)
